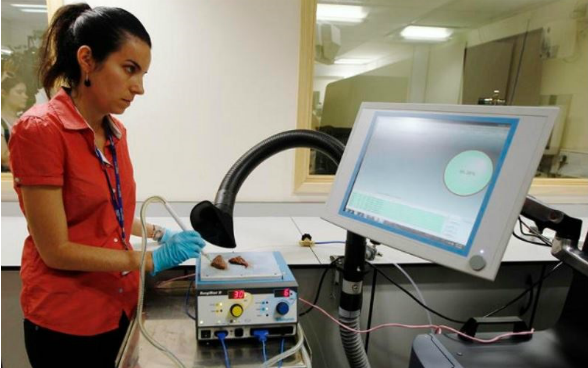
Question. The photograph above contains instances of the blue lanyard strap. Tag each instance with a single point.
(115, 195)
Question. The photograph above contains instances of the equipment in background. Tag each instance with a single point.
(492, 153)
(561, 346)
(241, 300)
(442, 182)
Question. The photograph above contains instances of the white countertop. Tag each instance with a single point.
(277, 234)
(516, 251)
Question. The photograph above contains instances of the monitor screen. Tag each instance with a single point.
(428, 177)
(453, 159)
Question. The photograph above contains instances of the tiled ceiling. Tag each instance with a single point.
(387, 17)
(476, 13)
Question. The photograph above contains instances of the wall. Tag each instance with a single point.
(445, 72)
(343, 98)
(223, 77)
(569, 76)
(320, 84)
(559, 75)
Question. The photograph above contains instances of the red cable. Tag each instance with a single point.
(437, 328)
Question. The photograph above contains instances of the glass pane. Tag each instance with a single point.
(525, 53)
(23, 24)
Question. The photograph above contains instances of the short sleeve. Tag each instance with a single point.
(37, 154)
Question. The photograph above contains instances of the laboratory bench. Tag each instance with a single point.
(450, 291)
(279, 234)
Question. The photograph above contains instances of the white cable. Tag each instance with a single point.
(418, 291)
(287, 353)
(546, 240)
(175, 216)
(139, 316)
(306, 357)
(181, 224)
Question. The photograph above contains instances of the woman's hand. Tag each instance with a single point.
(177, 249)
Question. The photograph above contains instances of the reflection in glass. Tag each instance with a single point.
(530, 53)
(23, 25)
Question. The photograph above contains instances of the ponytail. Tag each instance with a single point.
(57, 55)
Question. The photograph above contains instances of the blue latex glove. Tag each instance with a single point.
(167, 235)
(177, 249)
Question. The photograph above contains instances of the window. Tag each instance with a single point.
(529, 53)
(23, 24)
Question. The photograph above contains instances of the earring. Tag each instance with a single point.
(87, 82)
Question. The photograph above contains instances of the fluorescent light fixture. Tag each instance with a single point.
(33, 10)
(30, 6)
(420, 33)
(351, 61)
(6, 51)
(340, 13)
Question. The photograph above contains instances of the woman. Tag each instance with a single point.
(14, 101)
(74, 180)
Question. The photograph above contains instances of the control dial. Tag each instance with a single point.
(236, 310)
(282, 308)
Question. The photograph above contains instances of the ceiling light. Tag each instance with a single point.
(33, 10)
(340, 13)
(351, 61)
(6, 51)
(420, 33)
(30, 6)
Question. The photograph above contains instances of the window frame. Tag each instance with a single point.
(550, 190)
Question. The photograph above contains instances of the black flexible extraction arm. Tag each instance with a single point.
(215, 223)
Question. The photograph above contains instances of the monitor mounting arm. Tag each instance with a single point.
(567, 233)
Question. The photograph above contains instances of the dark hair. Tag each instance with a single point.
(10, 80)
(103, 29)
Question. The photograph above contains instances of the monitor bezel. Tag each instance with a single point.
(525, 149)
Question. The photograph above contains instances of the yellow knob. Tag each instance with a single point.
(236, 310)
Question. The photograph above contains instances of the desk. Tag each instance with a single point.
(458, 295)
(167, 322)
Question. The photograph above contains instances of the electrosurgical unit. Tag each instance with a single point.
(241, 300)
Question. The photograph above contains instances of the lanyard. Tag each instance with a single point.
(116, 199)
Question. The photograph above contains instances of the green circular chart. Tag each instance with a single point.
(468, 173)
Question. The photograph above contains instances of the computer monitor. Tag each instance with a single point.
(442, 182)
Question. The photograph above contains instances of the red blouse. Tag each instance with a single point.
(51, 144)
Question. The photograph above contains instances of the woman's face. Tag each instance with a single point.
(116, 82)
(16, 98)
